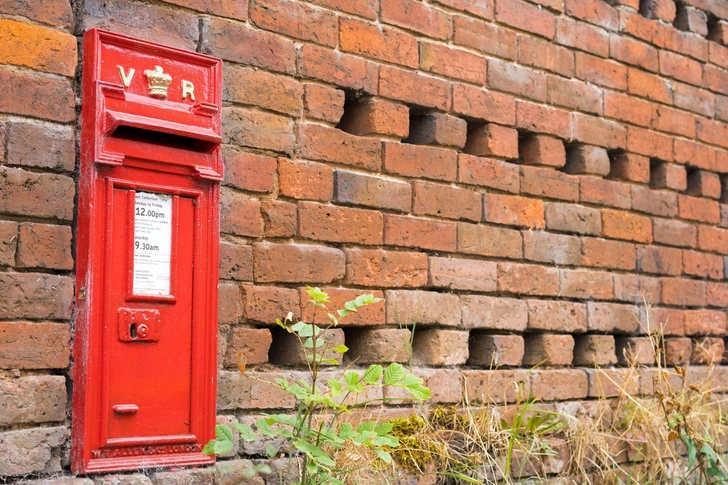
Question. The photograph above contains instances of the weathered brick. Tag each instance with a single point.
(44, 246)
(605, 383)
(593, 11)
(318, 142)
(698, 209)
(440, 347)
(496, 350)
(513, 210)
(295, 20)
(674, 233)
(385, 269)
(669, 321)
(53, 12)
(628, 108)
(601, 72)
(297, 263)
(374, 116)
(587, 159)
(704, 184)
(266, 303)
(305, 180)
(35, 295)
(32, 399)
(525, 16)
(42, 146)
(248, 171)
(228, 306)
(556, 316)
(612, 318)
(717, 294)
(372, 314)
(603, 253)
(446, 201)
(527, 279)
(636, 288)
(625, 225)
(488, 172)
(36, 95)
(36, 47)
(514, 79)
(343, 70)
(254, 390)
(257, 129)
(668, 176)
(259, 88)
(372, 346)
(492, 140)
(678, 351)
(485, 312)
(247, 346)
(535, 52)
(682, 292)
(288, 350)
(557, 249)
(594, 350)
(406, 307)
(630, 167)
(486, 37)
(452, 63)
(680, 67)
(572, 218)
(33, 450)
(495, 386)
(660, 203)
(279, 219)
(599, 131)
(418, 17)
(414, 88)
(36, 194)
(323, 103)
(702, 264)
(483, 105)
(545, 182)
(240, 215)
(463, 274)
(542, 150)
(377, 42)
(582, 36)
(420, 161)
(573, 93)
(548, 349)
(700, 101)
(586, 284)
(340, 224)
(34, 345)
(705, 322)
(635, 350)
(649, 143)
(659, 260)
(489, 241)
(605, 192)
(371, 191)
(633, 52)
(137, 478)
(420, 233)
(538, 118)
(438, 129)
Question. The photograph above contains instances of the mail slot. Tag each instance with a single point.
(145, 344)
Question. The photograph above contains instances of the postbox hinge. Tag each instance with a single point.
(82, 293)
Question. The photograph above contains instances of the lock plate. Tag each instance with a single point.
(138, 325)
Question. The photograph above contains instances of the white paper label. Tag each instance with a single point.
(152, 243)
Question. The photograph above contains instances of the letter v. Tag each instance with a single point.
(125, 78)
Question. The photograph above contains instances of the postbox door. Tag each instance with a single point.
(149, 321)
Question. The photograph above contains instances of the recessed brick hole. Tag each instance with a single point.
(664, 10)
(375, 116)
(702, 183)
(691, 19)
(724, 188)
(437, 129)
(717, 30)
(585, 159)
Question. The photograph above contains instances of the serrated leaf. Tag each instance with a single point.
(346, 431)
(393, 374)
(419, 392)
(209, 448)
(222, 447)
(246, 432)
(335, 387)
(315, 453)
(351, 378)
(410, 380)
(223, 433)
(383, 428)
(373, 373)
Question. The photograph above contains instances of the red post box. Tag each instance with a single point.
(145, 347)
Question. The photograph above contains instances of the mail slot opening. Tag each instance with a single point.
(133, 330)
(157, 138)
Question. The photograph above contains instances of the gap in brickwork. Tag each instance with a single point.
(724, 188)
(693, 181)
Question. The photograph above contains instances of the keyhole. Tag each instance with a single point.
(133, 330)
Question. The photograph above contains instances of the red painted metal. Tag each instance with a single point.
(145, 342)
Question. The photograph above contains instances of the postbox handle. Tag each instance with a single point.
(125, 408)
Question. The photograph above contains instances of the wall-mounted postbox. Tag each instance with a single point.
(145, 347)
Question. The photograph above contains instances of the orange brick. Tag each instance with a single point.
(713, 239)
(548, 349)
(649, 143)
(38, 48)
(624, 225)
(240, 215)
(601, 72)
(417, 16)
(542, 150)
(543, 119)
(659, 260)
(420, 233)
(279, 219)
(682, 292)
(323, 103)
(420, 161)
(649, 86)
(628, 108)
(492, 140)
(486, 37)
(297, 263)
(695, 154)
(582, 36)
(593, 11)
(247, 171)
(343, 70)
(414, 88)
(602, 253)
(549, 183)
(605, 192)
(454, 63)
(385, 269)
(258, 129)
(630, 167)
(295, 19)
(525, 16)
(377, 42)
(674, 121)
(535, 52)
(699, 209)
(318, 142)
(681, 68)
(340, 224)
(305, 180)
(445, 201)
(705, 322)
(702, 264)
(375, 116)
(633, 52)
(513, 210)
(599, 131)
(438, 129)
(487, 172)
(482, 10)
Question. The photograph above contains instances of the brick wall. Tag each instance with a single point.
(509, 175)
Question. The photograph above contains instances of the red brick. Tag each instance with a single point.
(318, 142)
(240, 215)
(287, 349)
(705, 322)
(713, 239)
(713, 132)
(593, 11)
(612, 318)
(542, 150)
(598, 131)
(377, 42)
(594, 350)
(630, 167)
(420, 233)
(681, 68)
(678, 351)
(53, 12)
(322, 222)
(649, 143)
(8, 242)
(463, 274)
(247, 346)
(649, 86)
(30, 94)
(708, 351)
(420, 161)
(717, 294)
(32, 399)
(492, 140)
(240, 43)
(693, 99)
(364, 8)
(624, 225)
(485, 312)
(664, 10)
(36, 194)
(548, 349)
(418, 17)
(44, 246)
(405, 307)
(556, 316)
(38, 48)
(307, 180)
(572, 218)
(585, 284)
(414, 88)
(702, 264)
(238, 10)
(513, 210)
(489, 241)
(454, 63)
(295, 20)
(258, 129)
(608, 254)
(323, 103)
(247, 171)
(572, 93)
(535, 52)
(699, 209)
(605, 192)
(704, 184)
(587, 159)
(674, 121)
(695, 154)
(440, 347)
(34, 345)
(496, 350)
(682, 292)
(438, 129)
(669, 321)
(633, 52)
(556, 249)
(628, 108)
(717, 53)
(487, 172)
(527, 279)
(236, 262)
(42, 146)
(582, 36)
(372, 346)
(385, 269)
(494, 386)
(542, 119)
(369, 315)
(479, 9)
(262, 89)
(445, 201)
(635, 350)
(635, 288)
(524, 16)
(478, 103)
(486, 37)
(549, 183)
(333, 67)
(296, 263)
(35, 296)
(601, 72)
(668, 176)
(253, 390)
(279, 218)
(375, 116)
(360, 189)
(266, 303)
(512, 78)
(660, 260)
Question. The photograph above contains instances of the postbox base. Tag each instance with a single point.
(143, 461)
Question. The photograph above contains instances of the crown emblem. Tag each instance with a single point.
(158, 81)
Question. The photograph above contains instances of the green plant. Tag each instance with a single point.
(318, 428)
